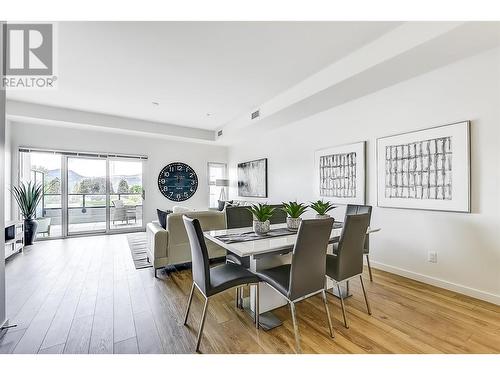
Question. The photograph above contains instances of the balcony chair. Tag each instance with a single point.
(122, 212)
(43, 226)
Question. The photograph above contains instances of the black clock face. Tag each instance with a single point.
(178, 182)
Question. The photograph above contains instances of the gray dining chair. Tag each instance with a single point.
(355, 209)
(305, 276)
(241, 217)
(347, 263)
(212, 281)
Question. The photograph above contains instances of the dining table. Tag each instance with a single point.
(266, 251)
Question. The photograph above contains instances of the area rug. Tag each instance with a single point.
(137, 243)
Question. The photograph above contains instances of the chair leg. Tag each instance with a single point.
(343, 307)
(369, 267)
(202, 323)
(325, 300)
(364, 293)
(295, 328)
(189, 304)
(240, 301)
(257, 313)
(237, 299)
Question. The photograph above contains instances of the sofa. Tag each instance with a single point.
(170, 246)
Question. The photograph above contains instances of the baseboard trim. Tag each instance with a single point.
(471, 292)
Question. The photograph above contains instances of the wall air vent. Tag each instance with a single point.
(255, 114)
(219, 133)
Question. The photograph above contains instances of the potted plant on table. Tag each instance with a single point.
(294, 210)
(322, 208)
(27, 197)
(261, 215)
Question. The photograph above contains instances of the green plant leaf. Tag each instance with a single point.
(261, 212)
(322, 207)
(27, 197)
(294, 209)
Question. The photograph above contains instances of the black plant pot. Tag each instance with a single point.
(30, 226)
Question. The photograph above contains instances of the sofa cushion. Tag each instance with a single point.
(180, 209)
(178, 243)
(162, 217)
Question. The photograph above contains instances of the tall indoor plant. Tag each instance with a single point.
(261, 215)
(27, 197)
(294, 210)
(322, 208)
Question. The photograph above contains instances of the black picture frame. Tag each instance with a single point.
(252, 178)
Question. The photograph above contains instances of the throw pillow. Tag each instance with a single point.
(162, 217)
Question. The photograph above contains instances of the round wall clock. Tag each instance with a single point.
(178, 181)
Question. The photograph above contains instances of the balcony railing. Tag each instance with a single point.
(87, 208)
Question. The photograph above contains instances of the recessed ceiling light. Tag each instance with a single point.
(209, 114)
(155, 103)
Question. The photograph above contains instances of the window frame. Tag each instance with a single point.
(212, 183)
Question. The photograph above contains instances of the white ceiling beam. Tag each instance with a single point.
(48, 115)
(410, 50)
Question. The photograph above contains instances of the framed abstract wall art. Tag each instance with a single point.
(427, 169)
(340, 173)
(252, 178)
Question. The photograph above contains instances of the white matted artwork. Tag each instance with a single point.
(340, 173)
(427, 169)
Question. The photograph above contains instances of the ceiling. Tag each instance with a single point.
(202, 74)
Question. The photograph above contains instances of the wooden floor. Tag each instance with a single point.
(84, 295)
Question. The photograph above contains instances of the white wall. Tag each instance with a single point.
(468, 245)
(2, 192)
(160, 152)
(7, 172)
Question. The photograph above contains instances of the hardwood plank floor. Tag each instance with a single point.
(79, 335)
(83, 295)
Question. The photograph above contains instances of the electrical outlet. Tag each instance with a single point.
(432, 257)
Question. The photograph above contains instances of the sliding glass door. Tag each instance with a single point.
(85, 193)
(44, 168)
(125, 178)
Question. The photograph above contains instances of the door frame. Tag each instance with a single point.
(65, 154)
(110, 230)
(66, 195)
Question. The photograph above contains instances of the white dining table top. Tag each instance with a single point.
(264, 245)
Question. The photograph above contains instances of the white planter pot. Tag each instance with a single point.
(322, 216)
(293, 223)
(261, 227)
